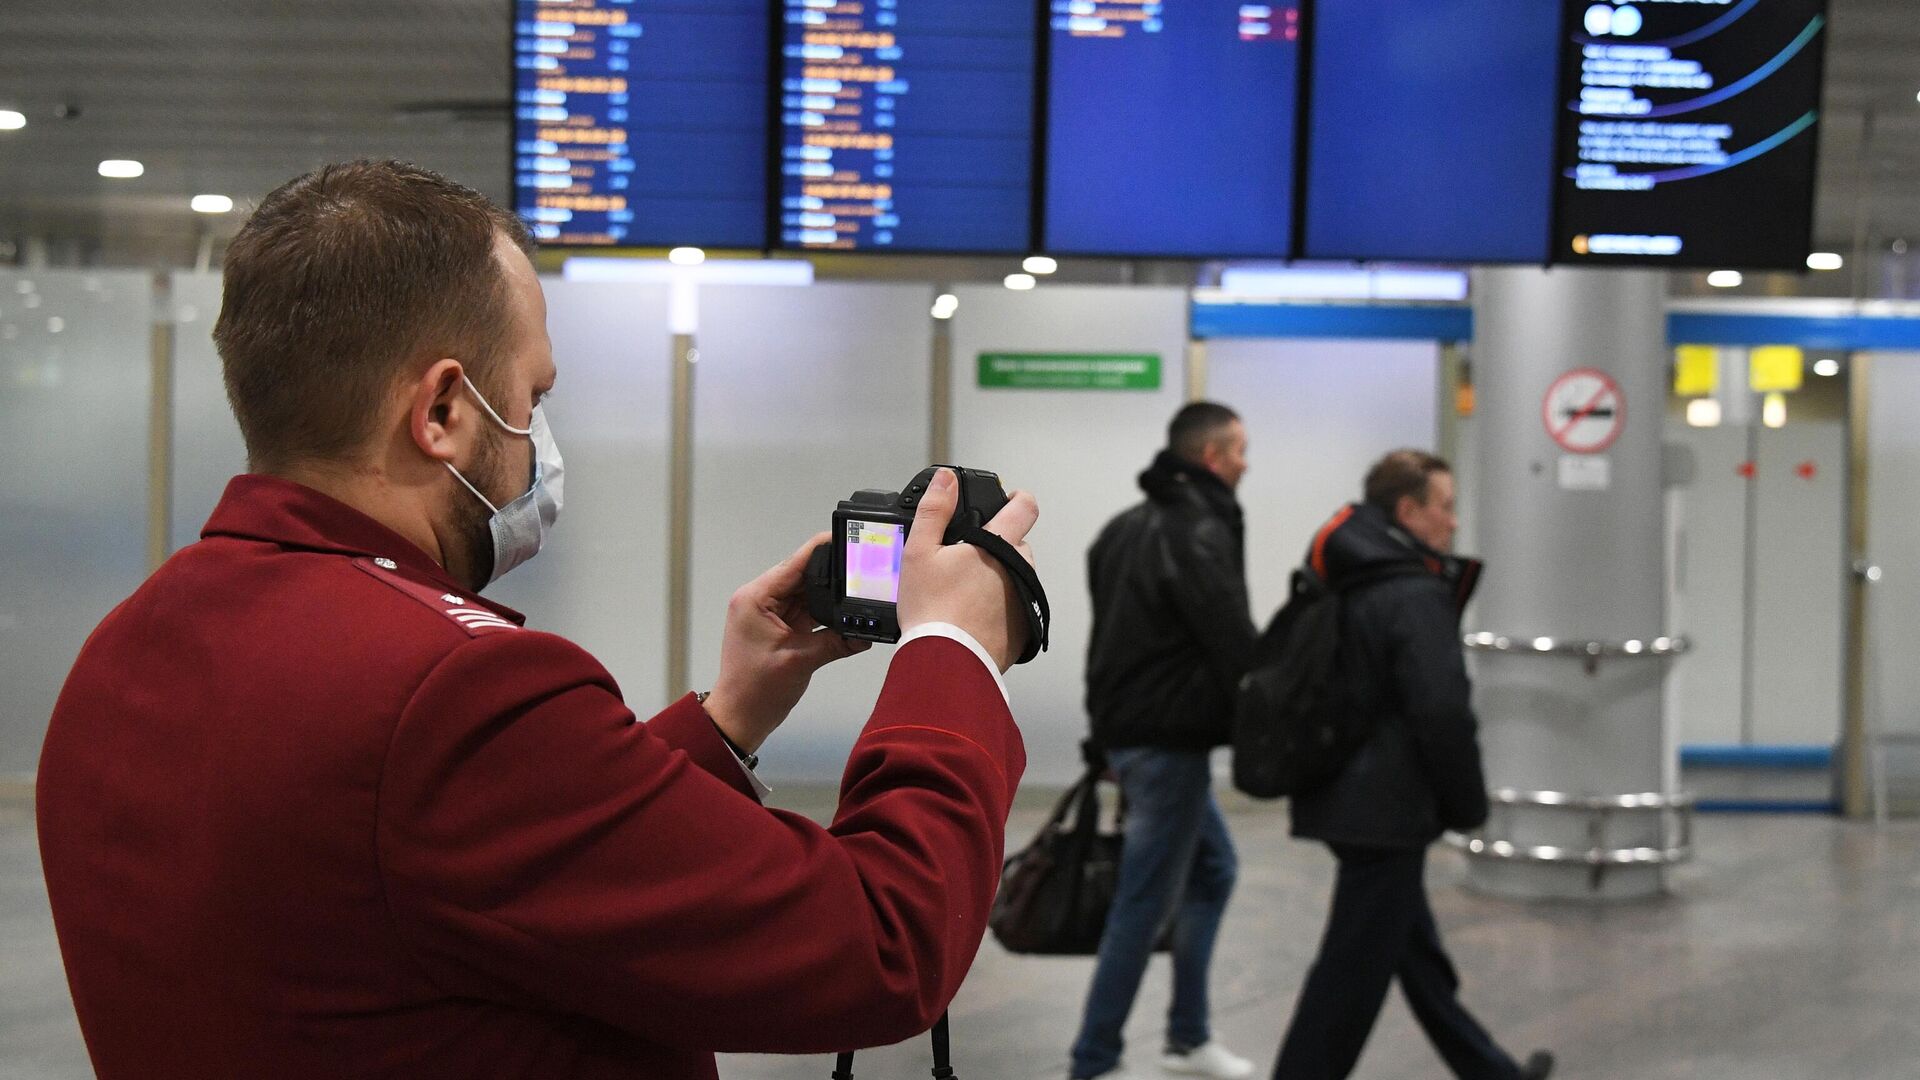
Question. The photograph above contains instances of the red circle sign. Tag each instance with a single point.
(1584, 411)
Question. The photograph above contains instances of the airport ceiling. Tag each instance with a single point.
(236, 96)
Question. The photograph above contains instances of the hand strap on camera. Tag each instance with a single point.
(942, 1064)
(1026, 581)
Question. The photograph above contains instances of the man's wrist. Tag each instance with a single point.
(748, 758)
(730, 718)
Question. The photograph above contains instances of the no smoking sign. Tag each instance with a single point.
(1584, 411)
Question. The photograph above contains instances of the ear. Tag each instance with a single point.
(1406, 509)
(438, 409)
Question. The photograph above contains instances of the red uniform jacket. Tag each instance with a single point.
(309, 808)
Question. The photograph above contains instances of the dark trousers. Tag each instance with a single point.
(1382, 928)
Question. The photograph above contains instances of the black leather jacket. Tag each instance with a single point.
(1402, 666)
(1171, 630)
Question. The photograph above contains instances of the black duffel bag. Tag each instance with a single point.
(1055, 892)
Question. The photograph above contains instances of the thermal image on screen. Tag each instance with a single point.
(873, 560)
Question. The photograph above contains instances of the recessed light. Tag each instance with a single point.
(686, 256)
(1020, 282)
(1773, 410)
(1826, 367)
(1040, 264)
(121, 169)
(1825, 260)
(211, 204)
(12, 121)
(1724, 279)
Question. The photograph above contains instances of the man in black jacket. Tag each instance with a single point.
(1417, 773)
(1172, 636)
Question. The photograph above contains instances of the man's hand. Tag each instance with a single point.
(769, 652)
(960, 584)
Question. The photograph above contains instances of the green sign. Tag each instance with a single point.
(1070, 371)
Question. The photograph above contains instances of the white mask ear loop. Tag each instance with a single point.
(481, 398)
(476, 491)
(528, 430)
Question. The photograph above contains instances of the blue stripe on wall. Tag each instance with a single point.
(1762, 806)
(1433, 322)
(1447, 322)
(1756, 757)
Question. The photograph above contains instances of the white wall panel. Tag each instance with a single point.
(1893, 541)
(75, 382)
(207, 449)
(1800, 583)
(802, 396)
(1318, 414)
(602, 578)
(1708, 601)
(1078, 452)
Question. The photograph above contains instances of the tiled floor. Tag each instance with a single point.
(1789, 950)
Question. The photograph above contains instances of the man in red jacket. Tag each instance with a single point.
(309, 806)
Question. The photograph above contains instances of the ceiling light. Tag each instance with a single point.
(1039, 264)
(1020, 282)
(686, 256)
(1703, 412)
(211, 204)
(1724, 279)
(1825, 260)
(1827, 367)
(119, 169)
(12, 121)
(56, 324)
(945, 305)
(1773, 410)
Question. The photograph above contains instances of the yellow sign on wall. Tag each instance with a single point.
(1696, 370)
(1772, 368)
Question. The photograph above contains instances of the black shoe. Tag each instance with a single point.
(1538, 1067)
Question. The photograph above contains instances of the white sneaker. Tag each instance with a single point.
(1210, 1060)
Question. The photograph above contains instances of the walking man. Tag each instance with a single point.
(1171, 638)
(1417, 774)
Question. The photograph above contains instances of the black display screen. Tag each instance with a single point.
(1687, 133)
(1170, 127)
(641, 122)
(906, 125)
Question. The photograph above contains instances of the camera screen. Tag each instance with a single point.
(873, 560)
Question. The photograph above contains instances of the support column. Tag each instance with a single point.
(1572, 530)
(680, 520)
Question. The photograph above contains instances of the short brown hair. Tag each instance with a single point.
(1402, 473)
(340, 280)
(1198, 425)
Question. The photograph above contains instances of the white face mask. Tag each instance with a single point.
(520, 527)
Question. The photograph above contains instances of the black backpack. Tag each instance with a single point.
(1293, 728)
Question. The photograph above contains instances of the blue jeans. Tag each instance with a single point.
(1177, 863)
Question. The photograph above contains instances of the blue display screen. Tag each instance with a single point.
(907, 125)
(1432, 128)
(1170, 128)
(642, 122)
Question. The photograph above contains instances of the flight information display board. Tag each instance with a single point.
(906, 125)
(642, 122)
(1432, 128)
(1171, 127)
(1687, 133)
